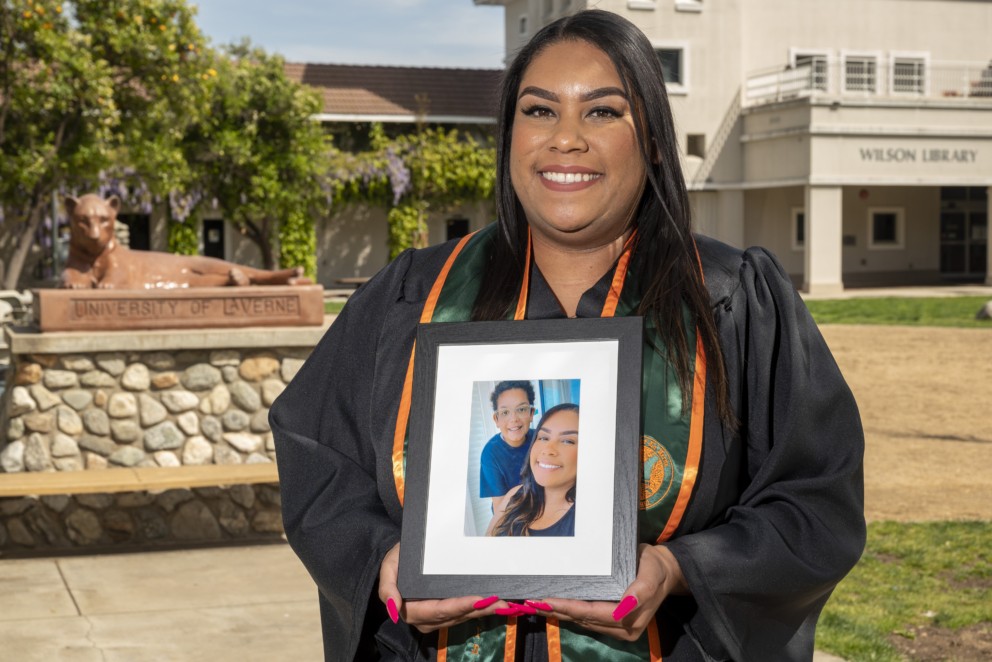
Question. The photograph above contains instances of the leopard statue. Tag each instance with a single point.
(97, 260)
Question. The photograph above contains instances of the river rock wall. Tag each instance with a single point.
(80, 402)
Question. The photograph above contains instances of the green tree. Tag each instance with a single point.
(260, 154)
(86, 85)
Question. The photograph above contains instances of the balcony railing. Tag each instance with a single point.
(870, 78)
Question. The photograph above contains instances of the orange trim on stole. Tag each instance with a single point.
(442, 645)
(399, 436)
(695, 443)
(619, 277)
(554, 639)
(510, 649)
(432, 298)
(654, 641)
(403, 415)
(521, 311)
(695, 428)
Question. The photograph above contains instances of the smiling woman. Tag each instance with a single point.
(544, 502)
(752, 493)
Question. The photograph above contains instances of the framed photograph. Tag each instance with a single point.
(523, 460)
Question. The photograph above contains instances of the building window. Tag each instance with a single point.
(696, 145)
(909, 75)
(815, 67)
(885, 228)
(566, 5)
(642, 4)
(860, 73)
(672, 65)
(523, 25)
(689, 5)
(549, 8)
(798, 228)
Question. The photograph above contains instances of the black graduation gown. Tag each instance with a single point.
(775, 521)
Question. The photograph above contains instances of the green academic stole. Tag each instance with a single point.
(670, 450)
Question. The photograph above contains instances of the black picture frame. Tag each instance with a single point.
(597, 567)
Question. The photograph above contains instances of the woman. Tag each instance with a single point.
(752, 498)
(544, 502)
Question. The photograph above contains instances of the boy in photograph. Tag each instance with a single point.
(505, 454)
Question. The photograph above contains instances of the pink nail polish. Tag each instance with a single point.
(394, 613)
(485, 602)
(507, 611)
(626, 606)
(543, 606)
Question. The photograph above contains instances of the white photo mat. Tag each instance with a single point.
(447, 548)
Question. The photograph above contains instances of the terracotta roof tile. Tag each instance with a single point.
(378, 90)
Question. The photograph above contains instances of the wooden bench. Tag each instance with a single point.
(136, 479)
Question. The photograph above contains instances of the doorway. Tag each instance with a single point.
(963, 232)
(213, 238)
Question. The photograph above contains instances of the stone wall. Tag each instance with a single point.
(96, 401)
(248, 513)
(92, 411)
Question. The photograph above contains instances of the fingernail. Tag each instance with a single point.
(508, 611)
(485, 602)
(394, 613)
(523, 609)
(626, 606)
(543, 606)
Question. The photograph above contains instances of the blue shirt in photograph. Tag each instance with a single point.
(501, 465)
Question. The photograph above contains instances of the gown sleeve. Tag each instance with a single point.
(327, 434)
(762, 562)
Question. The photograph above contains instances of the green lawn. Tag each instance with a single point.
(953, 311)
(950, 311)
(911, 575)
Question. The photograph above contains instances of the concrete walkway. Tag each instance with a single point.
(214, 605)
(237, 604)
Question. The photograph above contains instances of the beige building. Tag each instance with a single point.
(851, 137)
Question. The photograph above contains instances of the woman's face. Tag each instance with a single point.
(555, 451)
(574, 160)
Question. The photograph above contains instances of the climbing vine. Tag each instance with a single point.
(298, 244)
(414, 175)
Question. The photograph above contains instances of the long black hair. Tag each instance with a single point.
(527, 505)
(666, 268)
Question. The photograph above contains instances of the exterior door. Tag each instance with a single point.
(963, 232)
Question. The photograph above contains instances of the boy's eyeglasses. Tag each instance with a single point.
(521, 411)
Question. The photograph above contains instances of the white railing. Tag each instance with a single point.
(868, 78)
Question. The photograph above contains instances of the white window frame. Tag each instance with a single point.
(876, 56)
(689, 5)
(826, 53)
(647, 5)
(900, 242)
(793, 227)
(683, 87)
(924, 56)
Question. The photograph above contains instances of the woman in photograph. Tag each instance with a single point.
(751, 505)
(544, 502)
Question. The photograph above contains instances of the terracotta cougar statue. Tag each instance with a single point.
(96, 260)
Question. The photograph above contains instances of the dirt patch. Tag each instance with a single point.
(936, 644)
(925, 396)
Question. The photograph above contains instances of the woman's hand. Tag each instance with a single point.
(658, 576)
(428, 615)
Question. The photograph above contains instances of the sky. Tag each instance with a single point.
(422, 33)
